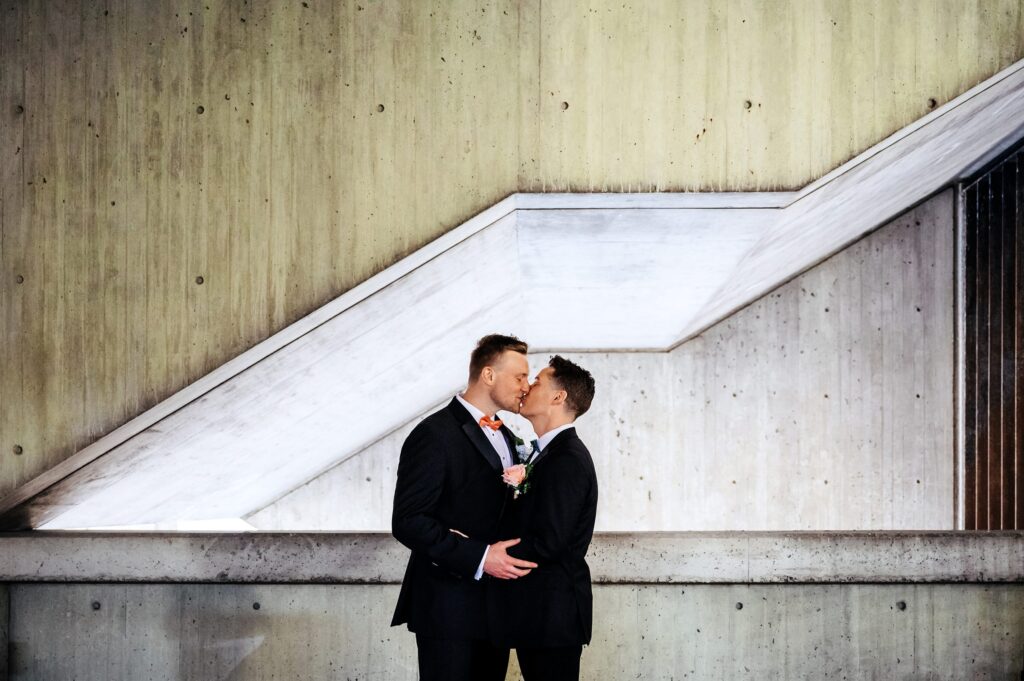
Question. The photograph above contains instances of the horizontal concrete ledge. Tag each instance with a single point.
(615, 558)
(648, 201)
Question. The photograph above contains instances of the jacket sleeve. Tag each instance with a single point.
(561, 502)
(421, 479)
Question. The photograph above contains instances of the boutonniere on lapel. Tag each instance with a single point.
(518, 476)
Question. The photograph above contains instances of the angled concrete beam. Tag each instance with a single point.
(935, 152)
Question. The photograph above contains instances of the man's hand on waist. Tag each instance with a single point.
(499, 564)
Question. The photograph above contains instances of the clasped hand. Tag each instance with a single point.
(501, 565)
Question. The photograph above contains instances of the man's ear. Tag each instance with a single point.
(487, 375)
(559, 397)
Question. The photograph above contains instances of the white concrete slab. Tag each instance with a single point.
(621, 278)
(285, 419)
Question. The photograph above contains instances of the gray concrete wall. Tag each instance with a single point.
(827, 404)
(855, 605)
(167, 632)
(632, 558)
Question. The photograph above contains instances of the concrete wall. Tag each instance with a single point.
(614, 558)
(859, 605)
(828, 404)
(283, 153)
(99, 632)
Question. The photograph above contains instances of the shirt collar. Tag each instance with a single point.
(545, 439)
(473, 411)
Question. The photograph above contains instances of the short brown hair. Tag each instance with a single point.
(577, 383)
(489, 348)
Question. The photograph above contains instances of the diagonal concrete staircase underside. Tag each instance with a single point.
(638, 272)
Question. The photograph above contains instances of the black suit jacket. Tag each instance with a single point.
(552, 606)
(449, 476)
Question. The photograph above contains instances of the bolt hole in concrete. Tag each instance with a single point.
(747, 104)
(200, 109)
(902, 605)
(18, 450)
(932, 103)
(96, 605)
(19, 109)
(20, 279)
(255, 606)
(200, 280)
(739, 606)
(565, 105)
(380, 108)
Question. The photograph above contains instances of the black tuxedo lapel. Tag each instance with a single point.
(444, 483)
(475, 434)
(554, 443)
(552, 606)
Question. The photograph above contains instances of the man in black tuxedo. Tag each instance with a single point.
(546, 616)
(448, 505)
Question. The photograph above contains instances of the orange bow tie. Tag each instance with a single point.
(487, 422)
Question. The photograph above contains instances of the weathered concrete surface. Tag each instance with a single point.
(855, 632)
(207, 632)
(653, 557)
(213, 557)
(821, 557)
(167, 632)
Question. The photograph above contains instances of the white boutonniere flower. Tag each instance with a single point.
(518, 476)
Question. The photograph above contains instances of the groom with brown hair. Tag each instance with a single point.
(546, 616)
(449, 501)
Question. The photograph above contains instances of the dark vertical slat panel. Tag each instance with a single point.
(995, 356)
(995, 343)
(1019, 344)
(984, 322)
(994, 347)
(1007, 367)
(970, 213)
